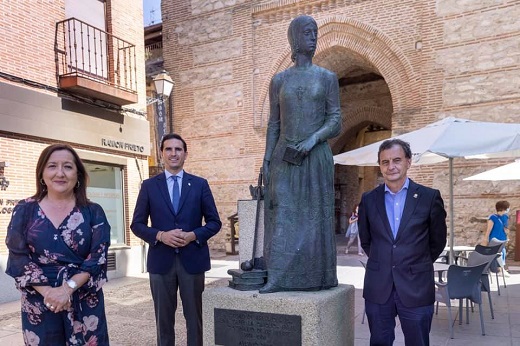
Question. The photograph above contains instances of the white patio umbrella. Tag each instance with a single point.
(445, 140)
(511, 171)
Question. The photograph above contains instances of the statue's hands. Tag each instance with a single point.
(265, 170)
(307, 145)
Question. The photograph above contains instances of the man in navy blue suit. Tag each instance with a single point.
(178, 256)
(402, 226)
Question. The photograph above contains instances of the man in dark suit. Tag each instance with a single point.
(402, 226)
(176, 202)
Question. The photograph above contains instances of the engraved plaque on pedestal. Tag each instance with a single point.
(238, 327)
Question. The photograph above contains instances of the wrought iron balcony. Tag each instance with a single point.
(95, 63)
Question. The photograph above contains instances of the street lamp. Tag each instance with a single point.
(163, 84)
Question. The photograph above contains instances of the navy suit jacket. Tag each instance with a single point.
(196, 203)
(407, 261)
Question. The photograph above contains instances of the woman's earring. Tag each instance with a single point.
(42, 183)
(78, 185)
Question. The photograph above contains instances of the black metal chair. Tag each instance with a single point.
(463, 283)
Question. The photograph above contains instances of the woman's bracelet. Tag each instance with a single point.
(67, 291)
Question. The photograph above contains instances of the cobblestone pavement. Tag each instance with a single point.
(129, 311)
(130, 314)
(131, 319)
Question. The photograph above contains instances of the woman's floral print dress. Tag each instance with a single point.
(40, 254)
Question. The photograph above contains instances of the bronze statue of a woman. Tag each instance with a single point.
(300, 247)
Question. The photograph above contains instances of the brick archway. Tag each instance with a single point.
(371, 44)
(359, 118)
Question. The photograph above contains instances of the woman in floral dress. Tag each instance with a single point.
(58, 242)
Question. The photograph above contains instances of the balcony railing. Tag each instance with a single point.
(95, 63)
(154, 46)
(153, 51)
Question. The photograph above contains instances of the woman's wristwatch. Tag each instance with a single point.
(72, 284)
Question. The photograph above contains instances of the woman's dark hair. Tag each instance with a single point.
(173, 136)
(390, 143)
(502, 206)
(80, 192)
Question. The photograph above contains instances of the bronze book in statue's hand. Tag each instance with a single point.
(293, 156)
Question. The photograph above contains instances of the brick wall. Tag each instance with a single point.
(25, 26)
(28, 30)
(438, 58)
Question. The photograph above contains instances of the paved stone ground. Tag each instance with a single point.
(129, 311)
(131, 318)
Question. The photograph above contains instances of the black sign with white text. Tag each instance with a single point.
(250, 328)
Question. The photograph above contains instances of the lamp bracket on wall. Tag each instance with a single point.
(152, 100)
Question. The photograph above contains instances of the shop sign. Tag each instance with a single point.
(122, 145)
(7, 205)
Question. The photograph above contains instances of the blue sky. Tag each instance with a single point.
(148, 16)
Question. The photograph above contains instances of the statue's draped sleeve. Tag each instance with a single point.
(332, 125)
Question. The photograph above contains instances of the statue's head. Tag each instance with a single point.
(296, 34)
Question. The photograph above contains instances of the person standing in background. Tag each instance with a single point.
(497, 227)
(353, 231)
(402, 226)
(176, 203)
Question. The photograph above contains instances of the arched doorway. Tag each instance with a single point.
(366, 107)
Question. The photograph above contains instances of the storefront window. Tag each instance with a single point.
(106, 189)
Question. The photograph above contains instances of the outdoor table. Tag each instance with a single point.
(459, 249)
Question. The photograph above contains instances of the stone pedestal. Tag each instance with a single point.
(232, 317)
(246, 223)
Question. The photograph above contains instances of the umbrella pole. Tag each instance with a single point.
(452, 236)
